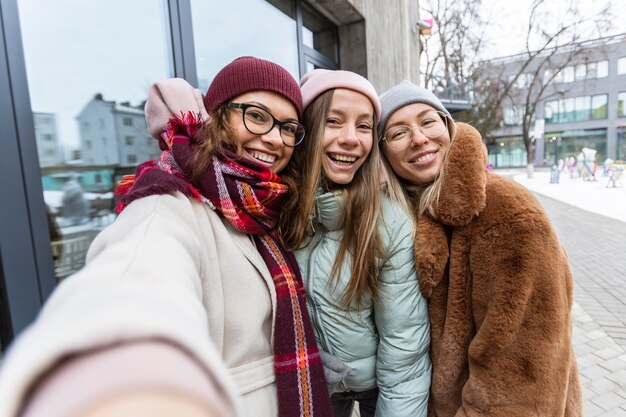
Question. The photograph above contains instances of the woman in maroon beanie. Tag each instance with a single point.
(188, 305)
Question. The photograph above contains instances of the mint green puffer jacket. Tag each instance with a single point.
(385, 343)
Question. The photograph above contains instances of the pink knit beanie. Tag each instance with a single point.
(318, 81)
(248, 73)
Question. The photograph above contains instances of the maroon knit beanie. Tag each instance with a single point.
(248, 73)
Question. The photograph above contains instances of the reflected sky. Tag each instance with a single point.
(224, 31)
(75, 49)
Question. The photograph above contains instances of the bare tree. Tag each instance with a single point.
(452, 52)
(552, 43)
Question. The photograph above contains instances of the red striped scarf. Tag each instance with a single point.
(249, 197)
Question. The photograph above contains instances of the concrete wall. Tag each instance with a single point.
(377, 39)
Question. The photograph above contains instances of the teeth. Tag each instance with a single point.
(263, 157)
(425, 157)
(344, 158)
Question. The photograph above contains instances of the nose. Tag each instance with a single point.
(418, 138)
(348, 137)
(273, 137)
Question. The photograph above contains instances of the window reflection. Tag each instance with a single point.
(224, 31)
(89, 67)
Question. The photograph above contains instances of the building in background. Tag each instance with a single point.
(583, 106)
(48, 147)
(59, 61)
(114, 134)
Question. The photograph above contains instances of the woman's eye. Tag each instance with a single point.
(332, 122)
(289, 128)
(427, 122)
(399, 134)
(364, 126)
(256, 115)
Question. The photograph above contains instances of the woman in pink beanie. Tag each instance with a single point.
(189, 303)
(353, 242)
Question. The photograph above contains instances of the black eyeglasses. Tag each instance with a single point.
(259, 121)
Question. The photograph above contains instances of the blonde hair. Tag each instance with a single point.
(359, 216)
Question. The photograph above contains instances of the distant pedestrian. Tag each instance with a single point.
(496, 277)
(355, 249)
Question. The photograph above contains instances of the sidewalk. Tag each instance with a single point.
(591, 222)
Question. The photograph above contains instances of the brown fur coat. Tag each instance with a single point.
(500, 294)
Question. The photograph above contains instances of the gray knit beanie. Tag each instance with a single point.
(403, 94)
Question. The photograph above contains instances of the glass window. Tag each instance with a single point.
(319, 33)
(621, 66)
(621, 143)
(599, 106)
(512, 116)
(551, 111)
(592, 70)
(82, 59)
(583, 108)
(566, 106)
(602, 70)
(224, 31)
(508, 152)
(621, 104)
(581, 72)
(568, 74)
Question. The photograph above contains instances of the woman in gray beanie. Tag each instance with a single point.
(496, 277)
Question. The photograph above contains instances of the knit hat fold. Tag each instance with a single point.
(316, 82)
(248, 73)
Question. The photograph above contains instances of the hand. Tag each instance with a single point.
(334, 370)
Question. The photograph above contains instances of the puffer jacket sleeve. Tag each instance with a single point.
(403, 367)
(142, 281)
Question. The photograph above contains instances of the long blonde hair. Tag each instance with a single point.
(359, 217)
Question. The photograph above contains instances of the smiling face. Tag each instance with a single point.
(420, 161)
(348, 135)
(267, 149)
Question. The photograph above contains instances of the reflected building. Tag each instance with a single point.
(114, 134)
(47, 138)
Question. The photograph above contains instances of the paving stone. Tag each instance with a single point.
(609, 401)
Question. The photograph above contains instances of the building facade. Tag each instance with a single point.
(74, 76)
(583, 104)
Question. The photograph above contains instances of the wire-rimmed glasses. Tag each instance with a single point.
(259, 121)
(432, 125)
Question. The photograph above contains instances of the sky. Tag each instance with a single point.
(508, 20)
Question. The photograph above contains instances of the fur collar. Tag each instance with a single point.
(462, 198)
(463, 194)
